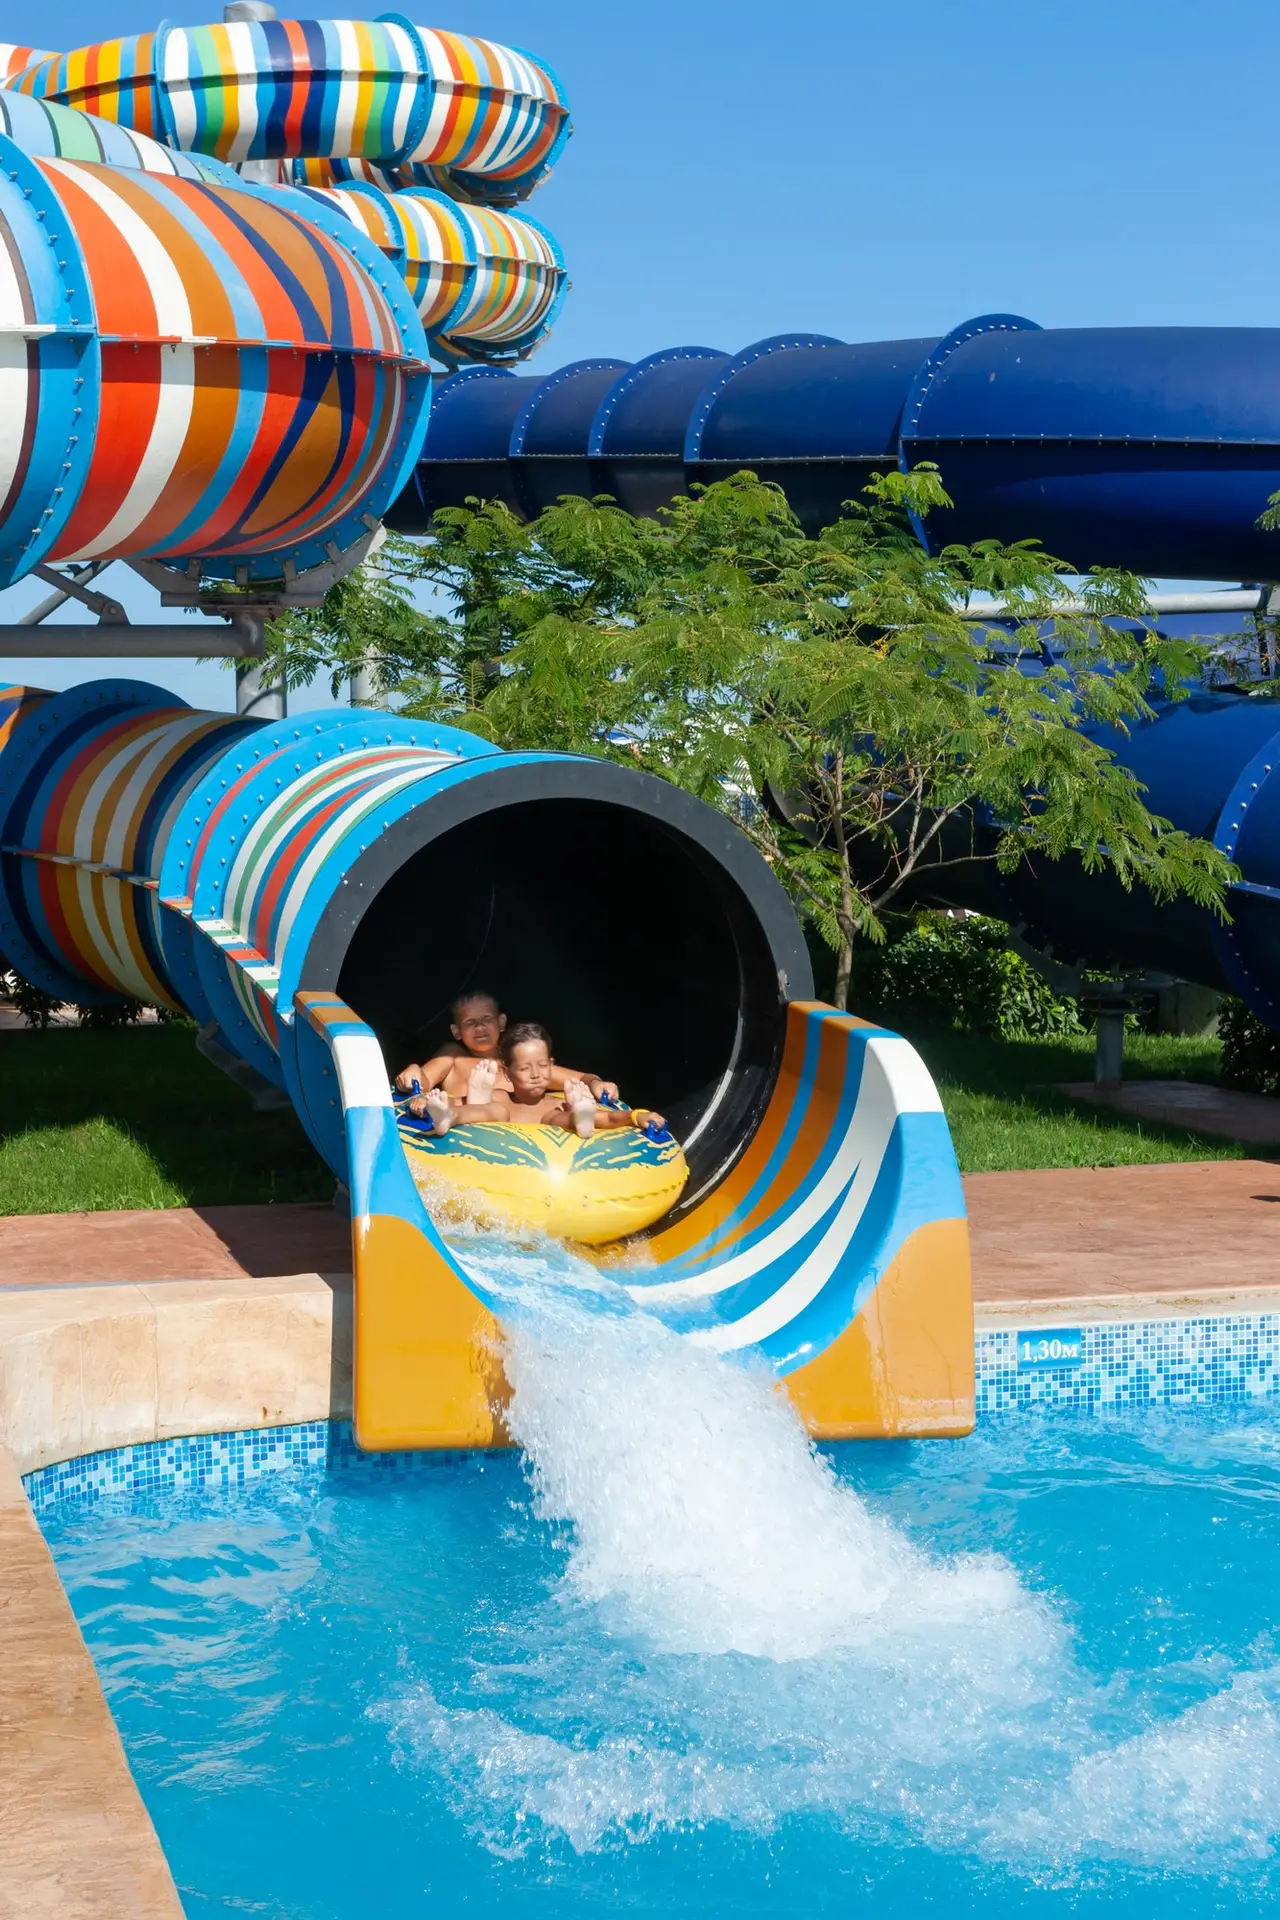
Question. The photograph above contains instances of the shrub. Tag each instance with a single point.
(39, 1008)
(100, 1018)
(1250, 1049)
(948, 972)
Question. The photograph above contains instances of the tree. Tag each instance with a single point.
(828, 693)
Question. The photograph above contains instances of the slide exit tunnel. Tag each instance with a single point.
(314, 892)
(223, 865)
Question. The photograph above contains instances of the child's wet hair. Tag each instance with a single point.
(524, 1030)
(462, 1000)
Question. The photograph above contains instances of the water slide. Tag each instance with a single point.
(276, 880)
(1152, 448)
(238, 260)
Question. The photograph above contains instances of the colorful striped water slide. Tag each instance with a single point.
(400, 129)
(228, 376)
(270, 879)
(192, 366)
(491, 118)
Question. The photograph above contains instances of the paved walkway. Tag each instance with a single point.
(181, 1243)
(1088, 1232)
(1251, 1118)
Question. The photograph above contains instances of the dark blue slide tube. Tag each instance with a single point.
(1151, 448)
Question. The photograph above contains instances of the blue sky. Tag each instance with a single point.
(872, 171)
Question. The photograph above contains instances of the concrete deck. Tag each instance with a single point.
(180, 1243)
(1198, 1226)
(1251, 1118)
(77, 1843)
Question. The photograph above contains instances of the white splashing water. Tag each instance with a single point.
(737, 1638)
(702, 1519)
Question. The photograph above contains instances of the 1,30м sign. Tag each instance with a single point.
(1054, 1347)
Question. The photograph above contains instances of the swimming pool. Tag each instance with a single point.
(673, 1662)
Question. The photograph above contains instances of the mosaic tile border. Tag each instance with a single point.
(1175, 1361)
(214, 1460)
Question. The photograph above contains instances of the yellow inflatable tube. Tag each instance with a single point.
(596, 1190)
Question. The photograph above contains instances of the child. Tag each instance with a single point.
(530, 1094)
(477, 1024)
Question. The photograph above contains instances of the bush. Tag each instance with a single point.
(39, 1008)
(105, 1018)
(1250, 1049)
(947, 972)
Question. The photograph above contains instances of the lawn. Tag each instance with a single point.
(136, 1118)
(1004, 1113)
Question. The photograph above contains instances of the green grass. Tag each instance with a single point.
(1004, 1113)
(136, 1118)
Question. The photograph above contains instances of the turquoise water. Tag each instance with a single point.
(673, 1662)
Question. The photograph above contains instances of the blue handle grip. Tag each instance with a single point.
(421, 1122)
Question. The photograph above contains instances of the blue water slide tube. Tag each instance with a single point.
(1153, 448)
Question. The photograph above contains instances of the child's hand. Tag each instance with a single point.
(602, 1089)
(418, 1105)
(405, 1080)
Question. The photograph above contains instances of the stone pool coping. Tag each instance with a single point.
(87, 1368)
(78, 1841)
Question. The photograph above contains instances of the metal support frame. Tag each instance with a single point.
(238, 639)
(78, 577)
(360, 686)
(242, 612)
(109, 611)
(1228, 600)
(256, 698)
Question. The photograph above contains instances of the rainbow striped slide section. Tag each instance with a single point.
(224, 865)
(194, 368)
(233, 375)
(397, 129)
(390, 108)
(835, 1254)
(490, 118)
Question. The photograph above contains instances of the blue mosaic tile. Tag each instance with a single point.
(215, 1460)
(1137, 1363)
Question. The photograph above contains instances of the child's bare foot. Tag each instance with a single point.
(439, 1106)
(581, 1103)
(484, 1078)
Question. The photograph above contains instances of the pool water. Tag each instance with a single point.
(672, 1661)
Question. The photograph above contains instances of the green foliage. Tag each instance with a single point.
(36, 1007)
(945, 972)
(720, 648)
(109, 1016)
(1250, 1049)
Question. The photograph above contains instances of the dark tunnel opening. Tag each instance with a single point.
(658, 954)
